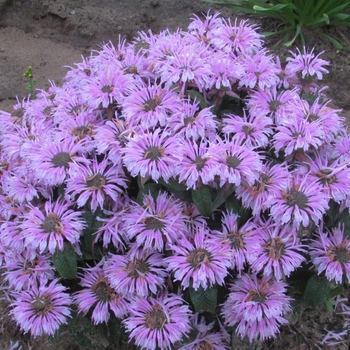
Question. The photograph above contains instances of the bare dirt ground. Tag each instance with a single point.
(50, 35)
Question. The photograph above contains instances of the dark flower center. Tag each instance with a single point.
(313, 117)
(61, 159)
(41, 305)
(153, 223)
(134, 267)
(76, 109)
(205, 345)
(199, 256)
(18, 114)
(248, 129)
(107, 89)
(155, 319)
(340, 253)
(131, 70)
(188, 120)
(274, 248)
(82, 131)
(152, 103)
(256, 296)
(325, 178)
(102, 290)
(295, 197)
(199, 162)
(52, 223)
(95, 182)
(273, 105)
(48, 111)
(233, 162)
(236, 239)
(153, 153)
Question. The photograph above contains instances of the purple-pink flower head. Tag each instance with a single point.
(237, 163)
(137, 273)
(201, 261)
(306, 65)
(202, 30)
(107, 86)
(57, 160)
(330, 253)
(240, 38)
(256, 307)
(260, 71)
(156, 223)
(41, 310)
(27, 269)
(254, 131)
(98, 184)
(274, 250)
(191, 122)
(300, 135)
(149, 106)
(48, 229)
(235, 236)
(197, 165)
(334, 177)
(187, 66)
(303, 202)
(98, 296)
(261, 195)
(151, 155)
(225, 71)
(158, 323)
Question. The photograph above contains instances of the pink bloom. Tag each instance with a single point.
(41, 309)
(201, 262)
(48, 229)
(136, 274)
(330, 253)
(157, 323)
(274, 250)
(98, 296)
(256, 307)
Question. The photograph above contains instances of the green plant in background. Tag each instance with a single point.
(30, 82)
(297, 14)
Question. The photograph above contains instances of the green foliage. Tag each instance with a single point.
(204, 300)
(202, 200)
(66, 262)
(296, 14)
(317, 291)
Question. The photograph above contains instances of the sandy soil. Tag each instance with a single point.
(50, 35)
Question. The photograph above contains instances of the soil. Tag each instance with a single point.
(51, 35)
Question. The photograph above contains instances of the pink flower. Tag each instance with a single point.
(41, 309)
(330, 253)
(157, 323)
(256, 307)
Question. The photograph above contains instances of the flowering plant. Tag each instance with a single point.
(173, 189)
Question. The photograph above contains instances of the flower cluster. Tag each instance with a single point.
(166, 174)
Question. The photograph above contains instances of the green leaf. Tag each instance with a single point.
(204, 300)
(316, 291)
(197, 96)
(149, 188)
(117, 332)
(202, 200)
(344, 221)
(86, 334)
(65, 261)
(222, 194)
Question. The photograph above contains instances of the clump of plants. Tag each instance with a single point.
(174, 192)
(297, 15)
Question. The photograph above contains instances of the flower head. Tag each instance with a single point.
(41, 309)
(157, 322)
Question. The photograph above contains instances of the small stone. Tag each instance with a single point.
(72, 12)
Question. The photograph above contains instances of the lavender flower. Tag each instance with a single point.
(48, 229)
(41, 309)
(158, 322)
(256, 306)
(330, 253)
(201, 262)
(137, 273)
(274, 249)
(98, 296)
